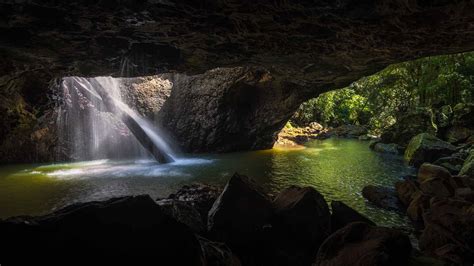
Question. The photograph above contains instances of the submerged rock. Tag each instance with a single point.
(382, 197)
(238, 217)
(427, 148)
(300, 223)
(361, 244)
(133, 227)
(343, 215)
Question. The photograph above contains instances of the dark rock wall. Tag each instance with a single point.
(303, 48)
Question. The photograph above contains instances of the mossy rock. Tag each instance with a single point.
(425, 147)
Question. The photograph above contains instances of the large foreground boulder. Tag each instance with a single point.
(300, 224)
(449, 231)
(238, 217)
(361, 244)
(343, 215)
(426, 148)
(132, 227)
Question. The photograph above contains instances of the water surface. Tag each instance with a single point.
(338, 168)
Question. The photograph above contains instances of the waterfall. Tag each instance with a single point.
(95, 123)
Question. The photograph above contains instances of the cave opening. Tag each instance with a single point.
(189, 131)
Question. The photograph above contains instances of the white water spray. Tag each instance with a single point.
(91, 130)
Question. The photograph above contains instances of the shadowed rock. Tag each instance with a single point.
(343, 215)
(361, 244)
(132, 227)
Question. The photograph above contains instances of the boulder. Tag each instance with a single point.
(386, 148)
(449, 231)
(440, 187)
(301, 222)
(429, 171)
(238, 217)
(382, 197)
(406, 190)
(184, 213)
(427, 148)
(218, 254)
(458, 134)
(361, 244)
(199, 196)
(408, 126)
(133, 227)
(343, 215)
(419, 204)
(348, 131)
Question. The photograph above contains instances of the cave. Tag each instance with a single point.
(242, 133)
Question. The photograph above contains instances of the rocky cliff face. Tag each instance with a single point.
(276, 54)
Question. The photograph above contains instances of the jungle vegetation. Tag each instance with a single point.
(376, 101)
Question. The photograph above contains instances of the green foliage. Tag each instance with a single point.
(377, 100)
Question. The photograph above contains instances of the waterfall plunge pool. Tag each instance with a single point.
(338, 168)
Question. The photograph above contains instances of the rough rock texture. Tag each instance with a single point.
(199, 196)
(238, 218)
(449, 231)
(362, 244)
(343, 215)
(406, 189)
(132, 227)
(308, 47)
(426, 148)
(300, 223)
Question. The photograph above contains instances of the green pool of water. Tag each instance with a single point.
(338, 168)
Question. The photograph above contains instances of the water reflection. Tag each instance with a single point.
(338, 168)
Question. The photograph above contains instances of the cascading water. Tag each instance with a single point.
(94, 123)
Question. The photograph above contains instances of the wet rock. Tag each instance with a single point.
(386, 148)
(238, 217)
(449, 231)
(300, 223)
(199, 196)
(218, 254)
(406, 190)
(408, 126)
(427, 148)
(382, 197)
(184, 213)
(343, 215)
(132, 227)
(362, 244)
